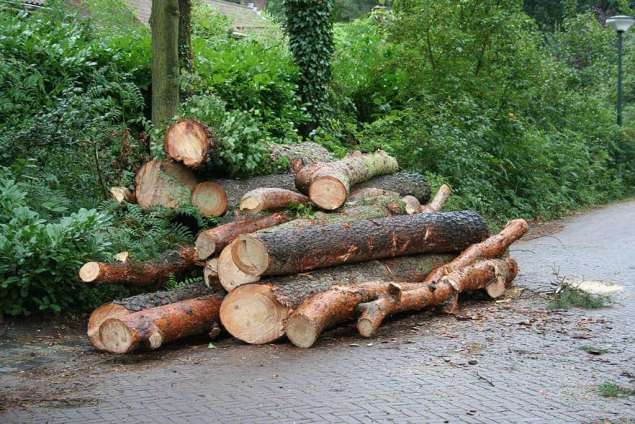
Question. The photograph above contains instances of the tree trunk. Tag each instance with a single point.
(404, 183)
(210, 199)
(256, 313)
(491, 248)
(140, 273)
(186, 58)
(493, 275)
(122, 307)
(154, 327)
(328, 184)
(164, 184)
(123, 194)
(270, 198)
(164, 22)
(188, 141)
(301, 249)
(436, 204)
(215, 239)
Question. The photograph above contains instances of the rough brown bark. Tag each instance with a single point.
(256, 313)
(404, 183)
(493, 275)
(270, 198)
(436, 204)
(188, 141)
(122, 307)
(210, 199)
(140, 273)
(328, 184)
(215, 239)
(123, 194)
(154, 327)
(164, 184)
(296, 250)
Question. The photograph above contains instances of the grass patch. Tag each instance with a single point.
(592, 350)
(567, 296)
(612, 390)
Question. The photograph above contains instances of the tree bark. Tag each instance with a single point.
(301, 249)
(270, 198)
(164, 184)
(437, 203)
(140, 273)
(404, 183)
(493, 275)
(210, 273)
(154, 327)
(256, 313)
(123, 194)
(164, 22)
(188, 141)
(186, 57)
(210, 199)
(121, 307)
(328, 184)
(215, 239)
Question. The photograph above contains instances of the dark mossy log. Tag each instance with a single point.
(188, 141)
(151, 328)
(493, 276)
(300, 153)
(437, 203)
(215, 239)
(164, 184)
(210, 199)
(121, 307)
(270, 198)
(123, 194)
(403, 182)
(294, 250)
(236, 189)
(140, 273)
(328, 184)
(256, 313)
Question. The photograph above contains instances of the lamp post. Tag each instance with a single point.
(621, 24)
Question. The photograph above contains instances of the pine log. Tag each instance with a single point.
(270, 198)
(154, 327)
(304, 153)
(491, 248)
(121, 307)
(256, 313)
(164, 184)
(210, 199)
(123, 194)
(294, 250)
(493, 275)
(140, 273)
(371, 192)
(328, 184)
(215, 239)
(436, 204)
(188, 141)
(403, 182)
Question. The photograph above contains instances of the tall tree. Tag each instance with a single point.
(186, 57)
(164, 22)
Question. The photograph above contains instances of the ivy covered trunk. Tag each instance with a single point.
(165, 60)
(186, 57)
(309, 25)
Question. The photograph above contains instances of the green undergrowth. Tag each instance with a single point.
(567, 296)
(614, 390)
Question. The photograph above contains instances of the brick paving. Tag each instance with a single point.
(497, 362)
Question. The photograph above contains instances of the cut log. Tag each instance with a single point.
(492, 275)
(256, 313)
(210, 273)
(229, 275)
(404, 183)
(210, 199)
(270, 198)
(188, 141)
(123, 194)
(294, 250)
(436, 204)
(360, 195)
(122, 307)
(412, 204)
(328, 184)
(306, 153)
(491, 248)
(154, 327)
(164, 184)
(140, 273)
(215, 239)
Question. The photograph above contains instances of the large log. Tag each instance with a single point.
(306, 153)
(210, 199)
(492, 275)
(215, 239)
(494, 247)
(267, 198)
(403, 182)
(301, 249)
(140, 273)
(328, 184)
(121, 307)
(154, 327)
(256, 313)
(188, 141)
(164, 184)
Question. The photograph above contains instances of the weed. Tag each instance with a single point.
(613, 390)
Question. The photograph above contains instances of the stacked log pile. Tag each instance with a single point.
(374, 245)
